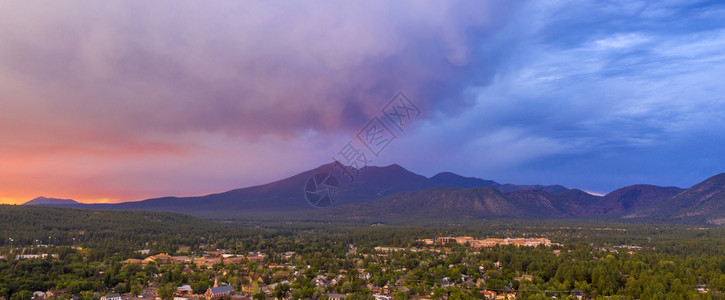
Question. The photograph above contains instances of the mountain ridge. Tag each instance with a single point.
(395, 192)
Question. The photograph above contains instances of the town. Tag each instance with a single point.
(194, 260)
(381, 272)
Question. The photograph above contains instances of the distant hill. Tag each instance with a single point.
(704, 202)
(633, 201)
(574, 203)
(50, 201)
(534, 203)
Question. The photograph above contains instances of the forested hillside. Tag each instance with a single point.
(31, 225)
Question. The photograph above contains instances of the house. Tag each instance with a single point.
(180, 259)
(379, 290)
(163, 257)
(481, 283)
(524, 277)
(337, 279)
(218, 292)
(578, 294)
(132, 261)
(212, 254)
(206, 262)
(288, 254)
(333, 296)
(55, 293)
(271, 287)
(256, 256)
(320, 281)
(489, 295)
(446, 282)
(237, 260)
(536, 242)
(184, 289)
(491, 242)
(426, 241)
(38, 295)
(462, 240)
(111, 297)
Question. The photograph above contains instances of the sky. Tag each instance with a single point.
(123, 101)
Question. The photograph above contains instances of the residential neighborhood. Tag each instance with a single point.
(219, 273)
(303, 261)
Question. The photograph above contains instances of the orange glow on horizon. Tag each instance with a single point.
(11, 201)
(21, 200)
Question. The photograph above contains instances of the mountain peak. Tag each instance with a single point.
(636, 197)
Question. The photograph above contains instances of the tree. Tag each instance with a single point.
(121, 288)
(166, 291)
(88, 295)
(400, 295)
(281, 291)
(75, 287)
(200, 287)
(22, 295)
(235, 282)
(136, 290)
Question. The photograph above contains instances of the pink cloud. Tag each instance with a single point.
(144, 82)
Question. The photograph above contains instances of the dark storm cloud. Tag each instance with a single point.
(599, 95)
